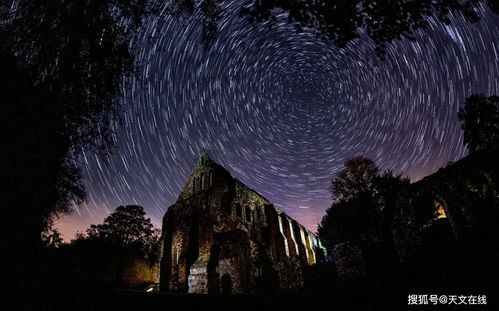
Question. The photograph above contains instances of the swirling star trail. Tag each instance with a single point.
(282, 110)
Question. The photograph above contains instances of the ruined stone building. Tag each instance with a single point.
(223, 237)
(456, 207)
(458, 204)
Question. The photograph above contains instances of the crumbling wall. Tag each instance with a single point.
(309, 249)
(222, 236)
(180, 244)
(297, 236)
(291, 244)
(291, 273)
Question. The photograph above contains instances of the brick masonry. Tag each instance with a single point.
(222, 237)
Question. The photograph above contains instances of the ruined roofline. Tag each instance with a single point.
(253, 190)
(280, 212)
(205, 159)
(204, 153)
(299, 224)
(463, 166)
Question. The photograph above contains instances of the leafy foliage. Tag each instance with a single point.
(480, 116)
(341, 21)
(126, 227)
(363, 208)
(387, 188)
(52, 238)
(62, 62)
(76, 53)
(357, 177)
(350, 220)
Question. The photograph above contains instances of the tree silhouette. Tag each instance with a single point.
(52, 238)
(62, 66)
(355, 220)
(363, 210)
(353, 215)
(343, 20)
(122, 251)
(125, 227)
(357, 177)
(339, 21)
(480, 117)
(387, 187)
(388, 190)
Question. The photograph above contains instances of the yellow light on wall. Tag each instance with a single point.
(439, 210)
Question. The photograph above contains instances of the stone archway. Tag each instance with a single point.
(213, 276)
(226, 284)
(441, 213)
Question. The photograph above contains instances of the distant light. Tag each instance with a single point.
(440, 212)
(303, 207)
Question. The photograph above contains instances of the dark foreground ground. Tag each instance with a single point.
(52, 287)
(375, 296)
(135, 300)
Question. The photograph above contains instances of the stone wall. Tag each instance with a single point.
(291, 273)
(291, 244)
(221, 236)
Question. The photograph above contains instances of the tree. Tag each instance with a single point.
(354, 220)
(122, 251)
(329, 229)
(480, 117)
(125, 236)
(52, 238)
(362, 212)
(387, 188)
(357, 177)
(341, 21)
(353, 215)
(125, 227)
(63, 63)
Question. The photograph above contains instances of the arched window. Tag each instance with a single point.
(210, 178)
(201, 182)
(248, 213)
(259, 272)
(239, 212)
(194, 185)
(439, 211)
(226, 284)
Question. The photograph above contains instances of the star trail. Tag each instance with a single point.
(282, 110)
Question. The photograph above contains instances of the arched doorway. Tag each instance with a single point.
(226, 283)
(213, 279)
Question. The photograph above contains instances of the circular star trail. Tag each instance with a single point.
(282, 110)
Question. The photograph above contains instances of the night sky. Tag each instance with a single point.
(282, 111)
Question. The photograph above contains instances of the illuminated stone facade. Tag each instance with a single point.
(223, 237)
